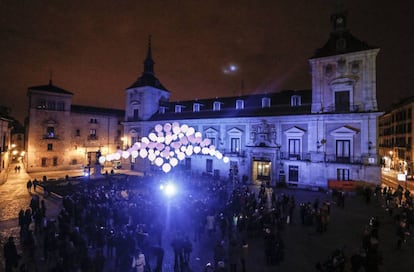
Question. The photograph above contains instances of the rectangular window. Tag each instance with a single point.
(136, 115)
(293, 173)
(342, 103)
(265, 102)
(209, 166)
(294, 148)
(49, 147)
(44, 160)
(212, 141)
(295, 100)
(343, 150)
(187, 163)
(239, 104)
(216, 106)
(196, 107)
(178, 108)
(77, 132)
(342, 174)
(55, 161)
(92, 134)
(50, 132)
(235, 145)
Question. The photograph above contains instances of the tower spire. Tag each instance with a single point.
(149, 63)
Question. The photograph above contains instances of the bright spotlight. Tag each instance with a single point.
(168, 189)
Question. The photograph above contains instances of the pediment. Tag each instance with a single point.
(344, 131)
(50, 122)
(235, 131)
(295, 131)
(211, 131)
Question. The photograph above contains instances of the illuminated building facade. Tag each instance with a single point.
(5, 141)
(395, 137)
(64, 136)
(300, 137)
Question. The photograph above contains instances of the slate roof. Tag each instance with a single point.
(96, 110)
(280, 104)
(50, 88)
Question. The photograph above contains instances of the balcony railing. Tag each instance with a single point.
(92, 137)
(230, 153)
(50, 137)
(322, 157)
(295, 156)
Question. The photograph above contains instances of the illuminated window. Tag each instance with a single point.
(178, 108)
(50, 132)
(295, 101)
(196, 107)
(235, 145)
(239, 104)
(265, 102)
(216, 106)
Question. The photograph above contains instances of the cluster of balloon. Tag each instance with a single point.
(167, 145)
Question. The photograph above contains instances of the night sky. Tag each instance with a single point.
(96, 49)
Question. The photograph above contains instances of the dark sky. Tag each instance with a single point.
(96, 48)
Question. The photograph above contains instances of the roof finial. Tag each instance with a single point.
(50, 77)
(149, 53)
(149, 63)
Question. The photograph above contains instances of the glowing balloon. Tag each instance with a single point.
(102, 159)
(166, 167)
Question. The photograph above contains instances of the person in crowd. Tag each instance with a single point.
(138, 261)
(10, 254)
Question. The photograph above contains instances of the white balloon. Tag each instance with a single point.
(145, 140)
(152, 136)
(159, 161)
(102, 159)
(197, 149)
(158, 128)
(125, 154)
(166, 167)
(143, 153)
(167, 127)
(173, 162)
(151, 156)
(134, 154)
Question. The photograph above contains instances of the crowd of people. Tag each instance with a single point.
(129, 225)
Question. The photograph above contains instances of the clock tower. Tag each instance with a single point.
(343, 71)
